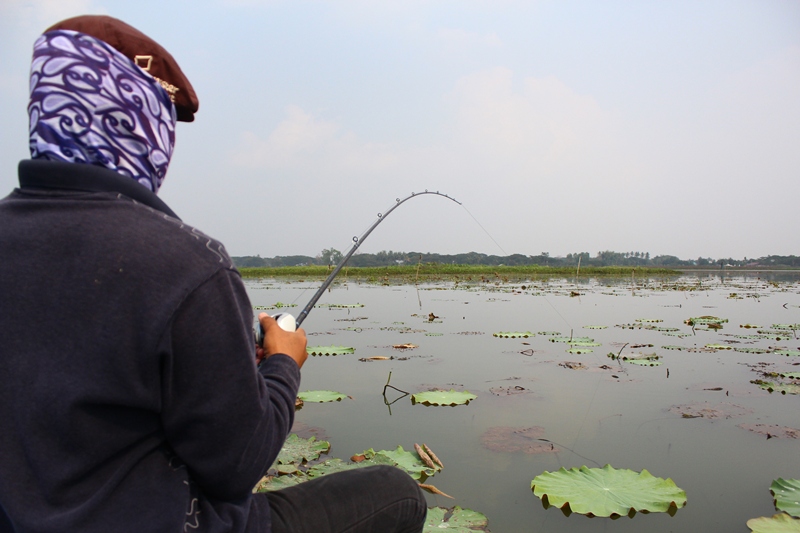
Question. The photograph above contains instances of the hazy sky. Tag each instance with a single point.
(668, 127)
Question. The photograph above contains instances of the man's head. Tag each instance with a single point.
(103, 93)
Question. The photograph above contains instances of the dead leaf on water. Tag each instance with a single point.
(772, 430)
(510, 440)
(434, 490)
(406, 346)
(710, 411)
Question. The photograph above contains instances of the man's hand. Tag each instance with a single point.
(276, 340)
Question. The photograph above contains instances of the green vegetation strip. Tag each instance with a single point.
(434, 271)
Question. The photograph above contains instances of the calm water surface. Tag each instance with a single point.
(604, 413)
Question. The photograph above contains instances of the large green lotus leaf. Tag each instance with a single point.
(441, 397)
(329, 350)
(790, 375)
(406, 460)
(321, 396)
(607, 491)
(787, 352)
(456, 520)
(779, 523)
(298, 450)
(787, 495)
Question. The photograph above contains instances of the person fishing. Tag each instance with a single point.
(132, 395)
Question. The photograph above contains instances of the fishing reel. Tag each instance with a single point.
(285, 321)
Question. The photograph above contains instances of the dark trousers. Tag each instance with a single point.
(376, 499)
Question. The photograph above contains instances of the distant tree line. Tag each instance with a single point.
(331, 256)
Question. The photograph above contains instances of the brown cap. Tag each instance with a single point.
(142, 50)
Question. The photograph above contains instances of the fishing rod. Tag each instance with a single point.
(288, 322)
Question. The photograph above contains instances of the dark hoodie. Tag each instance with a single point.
(129, 396)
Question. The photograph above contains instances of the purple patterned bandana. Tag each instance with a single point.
(91, 104)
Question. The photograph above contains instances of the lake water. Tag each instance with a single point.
(686, 419)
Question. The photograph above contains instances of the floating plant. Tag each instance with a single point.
(607, 492)
(513, 334)
(321, 396)
(441, 397)
(329, 350)
(457, 520)
(787, 495)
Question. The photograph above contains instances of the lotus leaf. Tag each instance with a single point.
(584, 343)
(329, 350)
(579, 350)
(441, 397)
(341, 306)
(673, 347)
(571, 340)
(649, 320)
(783, 388)
(513, 334)
(779, 523)
(718, 347)
(595, 327)
(515, 439)
(607, 491)
(434, 334)
(331, 466)
(787, 352)
(751, 350)
(790, 375)
(298, 450)
(549, 333)
(408, 461)
(787, 495)
(704, 320)
(270, 483)
(645, 361)
(321, 396)
(457, 520)
(785, 326)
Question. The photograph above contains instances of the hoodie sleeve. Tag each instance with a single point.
(223, 417)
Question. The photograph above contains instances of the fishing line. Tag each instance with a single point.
(484, 229)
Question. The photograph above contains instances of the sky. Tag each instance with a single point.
(669, 127)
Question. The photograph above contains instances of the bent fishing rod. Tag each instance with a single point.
(288, 322)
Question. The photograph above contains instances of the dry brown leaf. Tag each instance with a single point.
(406, 346)
(424, 456)
(433, 456)
(434, 490)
